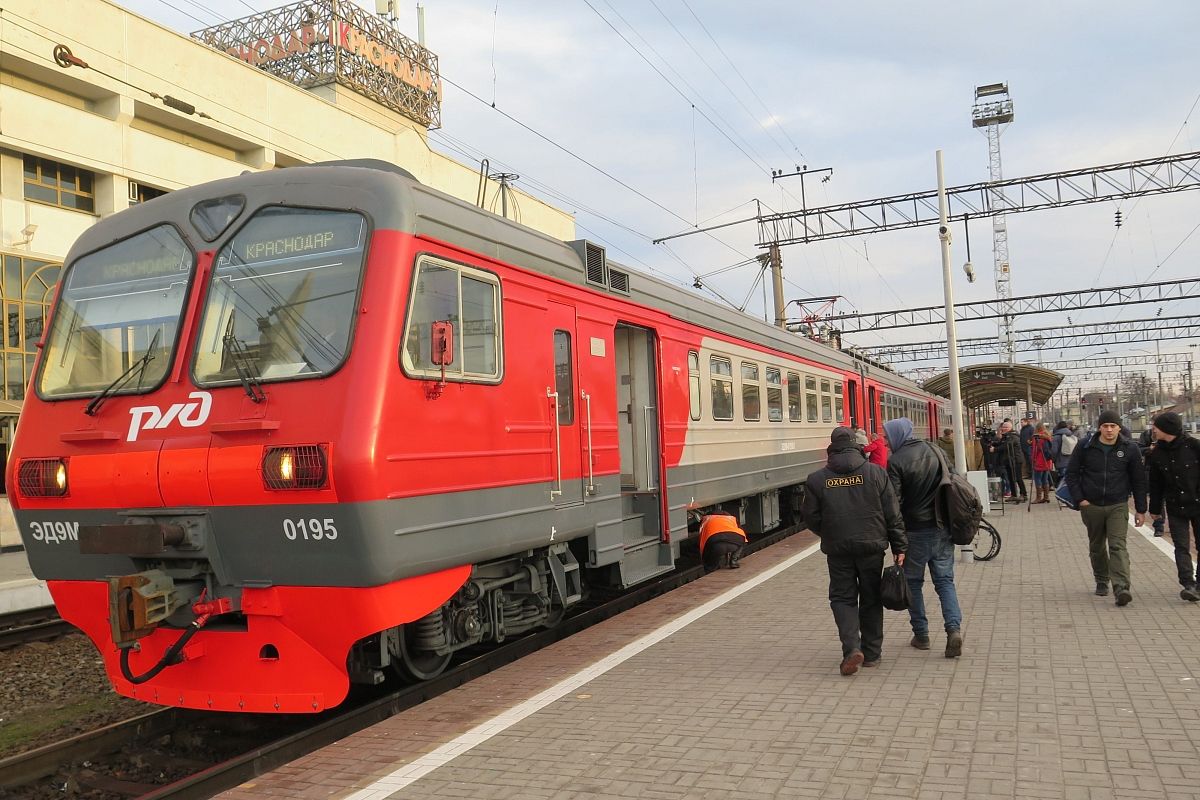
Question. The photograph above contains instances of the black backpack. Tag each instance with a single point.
(958, 502)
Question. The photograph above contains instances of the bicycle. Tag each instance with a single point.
(987, 542)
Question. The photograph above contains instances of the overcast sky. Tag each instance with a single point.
(870, 89)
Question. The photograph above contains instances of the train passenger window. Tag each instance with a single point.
(774, 396)
(720, 372)
(793, 395)
(751, 409)
(694, 384)
(837, 400)
(283, 296)
(826, 403)
(119, 310)
(564, 378)
(469, 299)
(810, 397)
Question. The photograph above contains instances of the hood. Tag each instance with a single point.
(946, 439)
(845, 459)
(897, 432)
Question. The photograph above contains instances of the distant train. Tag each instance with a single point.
(304, 427)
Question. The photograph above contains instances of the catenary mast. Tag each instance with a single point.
(993, 110)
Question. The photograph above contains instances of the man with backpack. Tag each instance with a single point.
(916, 475)
(1062, 444)
(1102, 473)
(1174, 470)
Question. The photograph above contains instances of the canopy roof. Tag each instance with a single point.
(989, 383)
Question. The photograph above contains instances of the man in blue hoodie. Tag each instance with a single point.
(916, 472)
(851, 506)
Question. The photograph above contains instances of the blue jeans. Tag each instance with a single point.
(932, 547)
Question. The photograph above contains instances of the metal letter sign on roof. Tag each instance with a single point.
(318, 42)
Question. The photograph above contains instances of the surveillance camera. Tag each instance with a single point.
(943, 230)
(970, 270)
(29, 230)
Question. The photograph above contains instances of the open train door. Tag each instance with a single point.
(647, 552)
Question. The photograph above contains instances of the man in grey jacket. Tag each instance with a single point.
(851, 506)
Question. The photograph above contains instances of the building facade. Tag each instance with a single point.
(101, 109)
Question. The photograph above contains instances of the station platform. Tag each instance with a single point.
(729, 688)
(19, 590)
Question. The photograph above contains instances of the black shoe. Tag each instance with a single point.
(1124, 598)
(920, 642)
(954, 642)
(852, 662)
(872, 663)
(1190, 594)
(1102, 590)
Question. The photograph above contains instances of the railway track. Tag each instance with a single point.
(32, 625)
(92, 761)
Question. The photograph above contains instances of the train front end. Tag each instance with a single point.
(192, 470)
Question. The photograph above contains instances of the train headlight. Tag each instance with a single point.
(296, 467)
(42, 477)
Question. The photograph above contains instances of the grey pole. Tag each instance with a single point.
(956, 408)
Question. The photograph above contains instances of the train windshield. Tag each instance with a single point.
(118, 317)
(283, 295)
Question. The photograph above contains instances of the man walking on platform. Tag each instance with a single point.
(916, 473)
(850, 505)
(1173, 465)
(1102, 473)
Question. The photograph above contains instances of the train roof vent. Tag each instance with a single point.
(594, 261)
(618, 281)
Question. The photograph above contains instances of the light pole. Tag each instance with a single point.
(1158, 397)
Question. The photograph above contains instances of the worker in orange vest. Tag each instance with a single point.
(721, 541)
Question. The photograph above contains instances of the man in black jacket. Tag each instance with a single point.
(1173, 466)
(1102, 473)
(916, 472)
(1010, 462)
(851, 506)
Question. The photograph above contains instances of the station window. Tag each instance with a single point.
(59, 185)
(694, 384)
(774, 395)
(26, 291)
(751, 404)
(837, 400)
(810, 397)
(469, 299)
(564, 378)
(793, 396)
(720, 372)
(141, 193)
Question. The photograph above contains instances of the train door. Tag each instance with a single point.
(855, 416)
(637, 425)
(872, 410)
(566, 457)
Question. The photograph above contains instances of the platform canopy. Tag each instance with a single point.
(990, 383)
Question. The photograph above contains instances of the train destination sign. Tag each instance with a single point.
(318, 42)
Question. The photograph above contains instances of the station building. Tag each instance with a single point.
(101, 109)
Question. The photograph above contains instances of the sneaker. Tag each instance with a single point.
(954, 641)
(872, 663)
(1123, 597)
(852, 662)
(1102, 590)
(920, 642)
(1190, 594)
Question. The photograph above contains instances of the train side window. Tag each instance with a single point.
(751, 402)
(774, 395)
(826, 403)
(694, 384)
(721, 377)
(810, 397)
(564, 378)
(793, 397)
(838, 398)
(469, 299)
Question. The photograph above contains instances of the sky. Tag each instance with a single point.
(684, 107)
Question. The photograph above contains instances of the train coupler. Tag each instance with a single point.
(138, 603)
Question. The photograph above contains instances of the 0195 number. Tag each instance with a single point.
(310, 529)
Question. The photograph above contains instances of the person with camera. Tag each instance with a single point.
(851, 506)
(1009, 460)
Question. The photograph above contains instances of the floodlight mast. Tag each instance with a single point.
(993, 109)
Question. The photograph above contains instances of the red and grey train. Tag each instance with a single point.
(301, 428)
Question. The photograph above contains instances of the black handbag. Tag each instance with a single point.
(893, 589)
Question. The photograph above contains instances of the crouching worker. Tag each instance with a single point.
(851, 505)
(721, 541)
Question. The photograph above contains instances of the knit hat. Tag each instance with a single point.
(841, 438)
(1109, 416)
(1169, 423)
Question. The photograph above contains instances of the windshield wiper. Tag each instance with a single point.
(243, 364)
(113, 387)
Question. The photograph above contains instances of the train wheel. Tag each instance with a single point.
(415, 664)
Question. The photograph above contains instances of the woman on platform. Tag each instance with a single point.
(1043, 463)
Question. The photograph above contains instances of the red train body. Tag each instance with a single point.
(294, 429)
